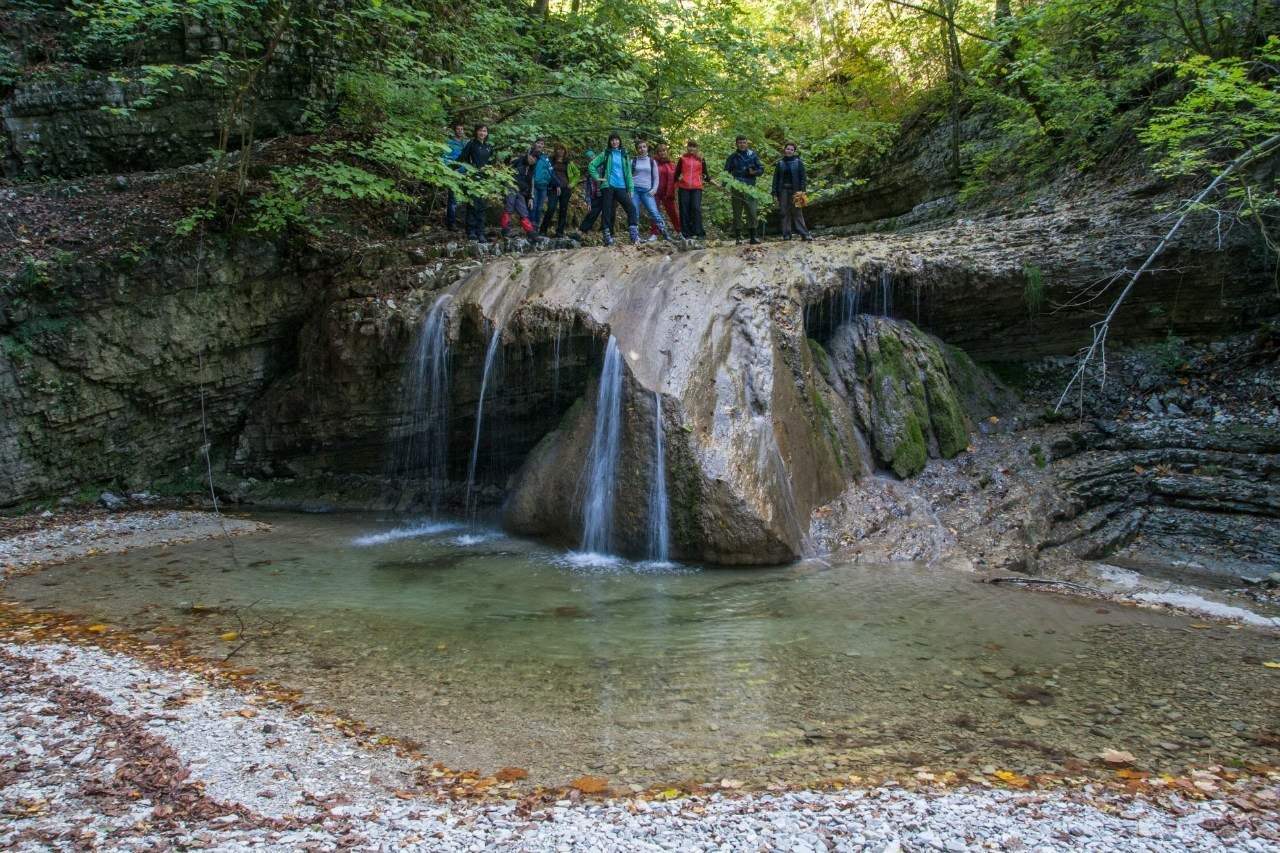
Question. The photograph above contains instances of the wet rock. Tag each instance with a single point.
(1154, 406)
(111, 501)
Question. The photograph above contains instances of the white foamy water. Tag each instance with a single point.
(417, 531)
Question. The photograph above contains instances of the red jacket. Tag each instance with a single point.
(691, 171)
(666, 179)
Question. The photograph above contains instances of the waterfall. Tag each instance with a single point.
(886, 292)
(426, 393)
(555, 367)
(602, 461)
(495, 339)
(659, 526)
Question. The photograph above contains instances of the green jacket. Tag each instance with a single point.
(597, 167)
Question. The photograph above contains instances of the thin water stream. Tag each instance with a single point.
(493, 651)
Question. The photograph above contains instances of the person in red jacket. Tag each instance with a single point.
(691, 177)
(666, 188)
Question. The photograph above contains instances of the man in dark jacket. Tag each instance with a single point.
(789, 179)
(745, 166)
(477, 154)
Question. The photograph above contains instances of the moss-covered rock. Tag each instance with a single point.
(908, 391)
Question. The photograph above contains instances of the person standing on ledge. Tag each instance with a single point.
(517, 201)
(666, 189)
(744, 166)
(456, 143)
(558, 191)
(591, 192)
(613, 169)
(691, 177)
(645, 179)
(788, 188)
(543, 181)
(477, 154)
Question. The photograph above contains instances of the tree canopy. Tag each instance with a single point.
(1047, 84)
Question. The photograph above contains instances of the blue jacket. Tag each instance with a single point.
(744, 166)
(543, 173)
(455, 148)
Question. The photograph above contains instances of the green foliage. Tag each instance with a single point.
(1230, 105)
(1033, 289)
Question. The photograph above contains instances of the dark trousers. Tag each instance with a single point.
(610, 196)
(691, 213)
(557, 205)
(743, 203)
(477, 211)
(597, 206)
(451, 211)
(791, 215)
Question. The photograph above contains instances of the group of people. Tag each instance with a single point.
(667, 191)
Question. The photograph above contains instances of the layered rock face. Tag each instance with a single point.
(67, 121)
(112, 393)
(1177, 497)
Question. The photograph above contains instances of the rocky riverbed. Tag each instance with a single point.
(103, 749)
(56, 538)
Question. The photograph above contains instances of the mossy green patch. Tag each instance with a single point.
(911, 453)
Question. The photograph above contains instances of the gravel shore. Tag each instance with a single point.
(101, 750)
(59, 540)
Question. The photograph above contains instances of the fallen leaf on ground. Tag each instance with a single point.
(1271, 664)
(228, 636)
(1012, 779)
(511, 774)
(98, 628)
(590, 784)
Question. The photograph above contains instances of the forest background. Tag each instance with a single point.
(1027, 91)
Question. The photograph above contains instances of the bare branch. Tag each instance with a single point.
(1103, 326)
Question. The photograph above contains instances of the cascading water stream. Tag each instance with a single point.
(602, 461)
(659, 525)
(495, 339)
(555, 367)
(423, 451)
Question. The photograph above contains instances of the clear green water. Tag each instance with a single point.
(492, 651)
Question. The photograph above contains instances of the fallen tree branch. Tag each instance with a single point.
(1103, 326)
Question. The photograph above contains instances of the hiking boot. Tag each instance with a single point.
(608, 239)
(753, 241)
(634, 231)
(807, 237)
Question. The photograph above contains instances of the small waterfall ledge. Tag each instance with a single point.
(679, 406)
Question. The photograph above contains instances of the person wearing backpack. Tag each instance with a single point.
(559, 192)
(543, 181)
(592, 196)
(613, 169)
(645, 180)
(788, 181)
(478, 154)
(517, 200)
(691, 176)
(744, 166)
